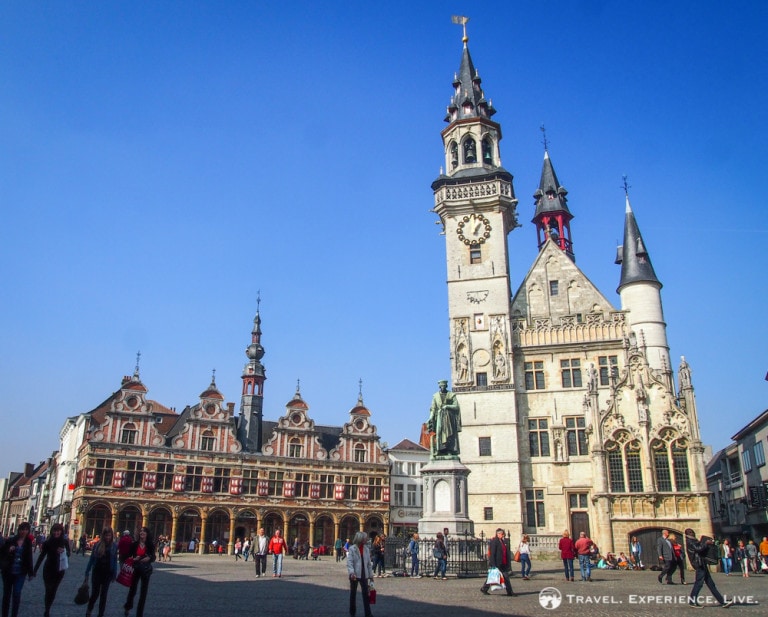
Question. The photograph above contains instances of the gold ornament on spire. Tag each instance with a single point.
(462, 21)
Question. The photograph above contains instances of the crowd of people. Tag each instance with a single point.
(365, 560)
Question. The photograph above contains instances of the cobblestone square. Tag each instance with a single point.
(204, 586)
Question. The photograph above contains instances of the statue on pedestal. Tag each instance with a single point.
(444, 423)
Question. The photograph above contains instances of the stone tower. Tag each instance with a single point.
(252, 399)
(475, 201)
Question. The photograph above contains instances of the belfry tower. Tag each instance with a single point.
(475, 200)
(252, 399)
(552, 217)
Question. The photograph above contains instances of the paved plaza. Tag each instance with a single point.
(209, 586)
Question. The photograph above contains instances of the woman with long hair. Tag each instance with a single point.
(567, 554)
(56, 553)
(525, 557)
(103, 563)
(143, 553)
(359, 570)
(16, 565)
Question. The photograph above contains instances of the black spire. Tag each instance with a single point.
(635, 262)
(552, 217)
(468, 100)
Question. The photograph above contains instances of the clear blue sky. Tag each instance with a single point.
(162, 162)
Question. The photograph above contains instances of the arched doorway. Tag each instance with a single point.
(96, 519)
(245, 524)
(647, 538)
(271, 522)
(298, 529)
(160, 523)
(188, 526)
(374, 524)
(324, 534)
(129, 519)
(348, 527)
(218, 528)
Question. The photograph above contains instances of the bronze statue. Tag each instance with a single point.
(444, 422)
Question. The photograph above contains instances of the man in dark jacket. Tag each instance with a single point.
(696, 550)
(667, 556)
(499, 556)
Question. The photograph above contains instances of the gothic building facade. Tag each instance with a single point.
(571, 415)
(206, 474)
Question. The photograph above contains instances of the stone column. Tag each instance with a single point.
(174, 531)
(203, 538)
(231, 543)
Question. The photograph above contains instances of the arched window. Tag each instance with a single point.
(454, 155)
(625, 471)
(294, 448)
(487, 151)
(360, 453)
(129, 434)
(470, 151)
(208, 441)
(670, 463)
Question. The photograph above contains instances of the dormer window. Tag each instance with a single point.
(294, 448)
(208, 441)
(129, 434)
(360, 453)
(470, 151)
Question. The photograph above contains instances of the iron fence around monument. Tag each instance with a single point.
(467, 555)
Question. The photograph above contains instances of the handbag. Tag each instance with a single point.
(517, 556)
(495, 579)
(82, 595)
(371, 595)
(63, 561)
(125, 577)
(437, 553)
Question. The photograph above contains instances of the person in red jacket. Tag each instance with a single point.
(124, 546)
(567, 554)
(278, 548)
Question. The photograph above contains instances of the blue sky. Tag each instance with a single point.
(160, 163)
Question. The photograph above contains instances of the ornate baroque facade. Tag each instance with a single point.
(571, 415)
(206, 474)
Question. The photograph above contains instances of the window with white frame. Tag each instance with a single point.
(411, 495)
(398, 501)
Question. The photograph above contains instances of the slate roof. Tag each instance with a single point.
(635, 262)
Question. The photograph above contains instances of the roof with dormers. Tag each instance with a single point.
(551, 195)
(406, 445)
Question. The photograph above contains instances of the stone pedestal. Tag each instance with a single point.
(445, 498)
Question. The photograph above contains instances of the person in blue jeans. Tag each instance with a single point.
(16, 557)
(525, 557)
(583, 546)
(727, 556)
(441, 555)
(413, 551)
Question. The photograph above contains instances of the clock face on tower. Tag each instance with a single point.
(474, 229)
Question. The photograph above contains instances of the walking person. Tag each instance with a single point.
(16, 565)
(726, 556)
(667, 556)
(413, 551)
(636, 552)
(82, 544)
(377, 555)
(260, 548)
(677, 549)
(741, 558)
(525, 557)
(278, 548)
(440, 553)
(338, 548)
(246, 548)
(124, 545)
(238, 548)
(360, 571)
(584, 551)
(751, 550)
(103, 563)
(567, 554)
(764, 552)
(55, 552)
(696, 550)
(143, 553)
(499, 556)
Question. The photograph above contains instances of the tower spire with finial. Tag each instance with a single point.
(252, 398)
(462, 21)
(136, 370)
(543, 130)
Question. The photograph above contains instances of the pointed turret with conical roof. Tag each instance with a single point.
(552, 217)
(640, 292)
